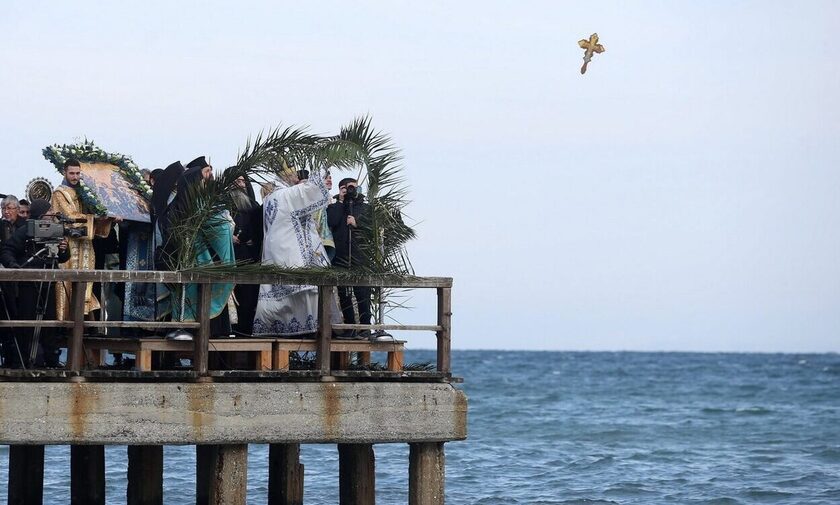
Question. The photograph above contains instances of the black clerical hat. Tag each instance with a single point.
(199, 162)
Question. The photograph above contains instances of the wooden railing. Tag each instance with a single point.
(326, 286)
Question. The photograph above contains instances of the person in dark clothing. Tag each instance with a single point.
(11, 219)
(23, 211)
(247, 247)
(345, 217)
(20, 252)
(214, 244)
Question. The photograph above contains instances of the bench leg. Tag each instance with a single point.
(280, 360)
(263, 360)
(395, 361)
(143, 360)
(363, 358)
(340, 360)
(97, 357)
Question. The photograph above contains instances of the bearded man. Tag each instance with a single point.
(66, 201)
(247, 247)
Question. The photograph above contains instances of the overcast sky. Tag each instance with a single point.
(682, 195)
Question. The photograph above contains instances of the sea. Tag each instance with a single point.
(587, 428)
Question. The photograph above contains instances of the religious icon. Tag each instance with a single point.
(115, 192)
(589, 47)
(39, 187)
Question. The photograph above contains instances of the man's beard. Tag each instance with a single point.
(241, 200)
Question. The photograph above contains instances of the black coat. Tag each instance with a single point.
(345, 236)
(7, 228)
(249, 231)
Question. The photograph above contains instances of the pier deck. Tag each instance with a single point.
(87, 406)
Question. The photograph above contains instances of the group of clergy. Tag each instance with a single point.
(290, 229)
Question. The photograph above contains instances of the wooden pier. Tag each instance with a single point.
(87, 406)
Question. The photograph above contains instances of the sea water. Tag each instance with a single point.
(587, 428)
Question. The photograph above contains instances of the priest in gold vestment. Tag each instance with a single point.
(66, 201)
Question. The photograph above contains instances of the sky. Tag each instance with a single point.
(682, 195)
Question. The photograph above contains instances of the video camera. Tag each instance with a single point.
(49, 234)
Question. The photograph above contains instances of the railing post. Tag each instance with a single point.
(322, 354)
(201, 351)
(75, 352)
(444, 335)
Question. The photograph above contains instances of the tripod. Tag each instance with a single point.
(41, 301)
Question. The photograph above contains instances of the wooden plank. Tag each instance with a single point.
(244, 344)
(426, 473)
(342, 346)
(356, 474)
(162, 344)
(444, 336)
(404, 327)
(99, 324)
(145, 475)
(75, 350)
(285, 475)
(33, 324)
(146, 325)
(206, 277)
(87, 474)
(322, 354)
(202, 339)
(26, 474)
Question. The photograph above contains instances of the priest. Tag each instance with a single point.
(291, 240)
(66, 201)
(190, 242)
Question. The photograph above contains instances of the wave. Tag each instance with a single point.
(746, 411)
(829, 455)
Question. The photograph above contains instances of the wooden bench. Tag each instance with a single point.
(143, 348)
(271, 353)
(341, 349)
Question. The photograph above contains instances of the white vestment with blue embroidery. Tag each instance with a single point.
(291, 240)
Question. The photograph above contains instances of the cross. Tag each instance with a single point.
(589, 46)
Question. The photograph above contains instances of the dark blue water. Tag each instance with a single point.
(592, 428)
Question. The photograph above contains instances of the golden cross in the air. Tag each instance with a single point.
(590, 47)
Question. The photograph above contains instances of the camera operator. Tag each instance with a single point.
(22, 250)
(345, 217)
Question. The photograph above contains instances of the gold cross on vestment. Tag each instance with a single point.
(590, 47)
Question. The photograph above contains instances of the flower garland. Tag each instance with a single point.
(88, 152)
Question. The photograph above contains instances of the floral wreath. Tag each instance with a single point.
(88, 152)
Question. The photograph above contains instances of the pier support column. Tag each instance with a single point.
(26, 474)
(285, 475)
(221, 474)
(87, 475)
(356, 474)
(145, 475)
(426, 473)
